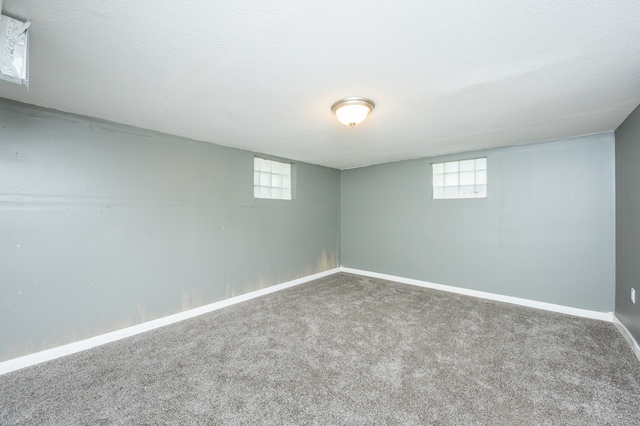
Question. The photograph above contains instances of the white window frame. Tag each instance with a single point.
(459, 179)
(271, 179)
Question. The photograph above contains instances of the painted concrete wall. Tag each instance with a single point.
(104, 226)
(545, 232)
(628, 222)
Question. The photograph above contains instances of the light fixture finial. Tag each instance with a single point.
(352, 111)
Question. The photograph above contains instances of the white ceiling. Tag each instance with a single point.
(446, 76)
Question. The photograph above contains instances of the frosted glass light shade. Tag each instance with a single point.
(352, 111)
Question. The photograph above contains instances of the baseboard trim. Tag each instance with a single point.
(71, 348)
(585, 313)
(635, 347)
(82, 345)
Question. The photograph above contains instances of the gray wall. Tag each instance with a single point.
(628, 222)
(545, 232)
(105, 226)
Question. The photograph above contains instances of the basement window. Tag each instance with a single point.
(460, 179)
(271, 179)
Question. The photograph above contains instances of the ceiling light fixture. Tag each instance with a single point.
(352, 111)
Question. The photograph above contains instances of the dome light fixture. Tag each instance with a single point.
(352, 111)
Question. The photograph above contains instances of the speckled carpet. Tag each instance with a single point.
(344, 349)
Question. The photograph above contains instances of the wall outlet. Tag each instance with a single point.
(633, 295)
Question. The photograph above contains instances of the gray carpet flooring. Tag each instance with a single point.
(344, 349)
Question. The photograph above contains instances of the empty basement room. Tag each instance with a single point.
(319, 212)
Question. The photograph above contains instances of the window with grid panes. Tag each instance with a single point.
(271, 179)
(460, 179)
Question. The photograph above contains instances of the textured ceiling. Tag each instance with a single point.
(446, 76)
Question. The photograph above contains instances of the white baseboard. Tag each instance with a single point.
(627, 336)
(71, 348)
(585, 313)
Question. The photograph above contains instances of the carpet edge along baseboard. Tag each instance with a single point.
(92, 342)
(81, 345)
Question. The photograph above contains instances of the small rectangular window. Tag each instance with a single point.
(271, 179)
(460, 179)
